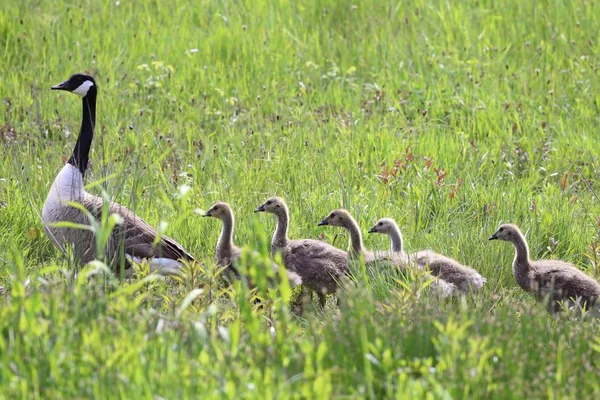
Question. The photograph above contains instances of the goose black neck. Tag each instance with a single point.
(81, 152)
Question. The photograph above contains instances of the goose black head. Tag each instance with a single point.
(79, 84)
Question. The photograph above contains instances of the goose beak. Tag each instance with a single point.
(60, 86)
(372, 230)
(260, 209)
(208, 214)
(324, 222)
(493, 237)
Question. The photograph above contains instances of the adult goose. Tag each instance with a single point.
(463, 277)
(549, 280)
(133, 239)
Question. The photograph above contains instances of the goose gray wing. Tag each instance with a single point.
(136, 235)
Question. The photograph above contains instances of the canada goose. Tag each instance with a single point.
(342, 218)
(134, 237)
(320, 265)
(553, 279)
(227, 253)
(463, 277)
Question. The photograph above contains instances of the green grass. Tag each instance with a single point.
(492, 110)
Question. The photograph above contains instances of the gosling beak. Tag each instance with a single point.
(493, 237)
(372, 230)
(324, 222)
(208, 214)
(260, 209)
(60, 86)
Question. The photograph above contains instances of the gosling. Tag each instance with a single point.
(321, 266)
(549, 280)
(464, 278)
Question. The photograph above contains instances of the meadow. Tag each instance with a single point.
(451, 117)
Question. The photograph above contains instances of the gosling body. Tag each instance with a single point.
(321, 266)
(552, 280)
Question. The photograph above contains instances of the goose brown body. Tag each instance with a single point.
(463, 277)
(553, 280)
(134, 236)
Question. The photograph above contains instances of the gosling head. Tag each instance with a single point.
(384, 226)
(272, 205)
(507, 232)
(219, 210)
(79, 84)
(341, 218)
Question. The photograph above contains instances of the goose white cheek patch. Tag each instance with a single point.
(83, 89)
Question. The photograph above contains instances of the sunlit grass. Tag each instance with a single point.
(448, 116)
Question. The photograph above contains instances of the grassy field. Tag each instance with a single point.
(450, 117)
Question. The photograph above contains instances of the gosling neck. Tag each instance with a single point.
(521, 251)
(396, 238)
(280, 238)
(225, 242)
(355, 236)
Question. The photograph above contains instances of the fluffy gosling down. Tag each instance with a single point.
(464, 278)
(320, 265)
(554, 280)
(228, 254)
(342, 218)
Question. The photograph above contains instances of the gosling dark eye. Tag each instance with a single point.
(379, 224)
(509, 233)
(269, 202)
(277, 206)
(500, 230)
